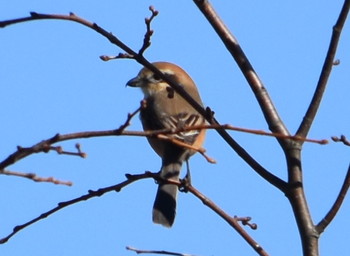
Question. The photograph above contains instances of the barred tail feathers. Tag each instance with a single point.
(164, 208)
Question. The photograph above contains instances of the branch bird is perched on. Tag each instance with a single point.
(165, 109)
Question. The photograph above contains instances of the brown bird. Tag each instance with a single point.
(165, 109)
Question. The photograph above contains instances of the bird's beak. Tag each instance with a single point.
(134, 82)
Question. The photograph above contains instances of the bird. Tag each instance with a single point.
(163, 108)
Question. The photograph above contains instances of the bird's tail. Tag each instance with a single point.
(164, 208)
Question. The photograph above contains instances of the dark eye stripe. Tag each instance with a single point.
(156, 77)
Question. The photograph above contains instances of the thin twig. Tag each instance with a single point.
(322, 225)
(257, 167)
(270, 113)
(60, 150)
(128, 120)
(232, 221)
(309, 117)
(91, 194)
(130, 178)
(46, 145)
(36, 178)
(185, 145)
(149, 31)
(138, 251)
(246, 222)
(342, 139)
(253, 131)
(119, 56)
(146, 41)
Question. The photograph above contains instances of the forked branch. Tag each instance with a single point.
(233, 221)
(309, 117)
(272, 118)
(336, 206)
(89, 195)
(165, 134)
(257, 167)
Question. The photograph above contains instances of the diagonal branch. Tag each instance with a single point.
(138, 251)
(36, 178)
(271, 116)
(175, 141)
(91, 194)
(46, 145)
(257, 167)
(146, 40)
(232, 221)
(309, 117)
(322, 225)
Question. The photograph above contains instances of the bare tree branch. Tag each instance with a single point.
(309, 117)
(128, 120)
(146, 40)
(149, 32)
(207, 113)
(91, 194)
(246, 222)
(233, 221)
(264, 133)
(293, 190)
(322, 225)
(272, 118)
(46, 145)
(342, 139)
(270, 113)
(138, 251)
(185, 145)
(308, 231)
(36, 178)
(60, 150)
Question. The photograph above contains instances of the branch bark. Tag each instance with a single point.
(61, 205)
(292, 149)
(309, 233)
(207, 113)
(323, 224)
(270, 113)
(309, 117)
(294, 188)
(233, 221)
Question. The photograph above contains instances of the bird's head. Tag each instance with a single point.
(152, 84)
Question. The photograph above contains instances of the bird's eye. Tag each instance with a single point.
(156, 77)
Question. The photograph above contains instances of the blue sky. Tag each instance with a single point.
(52, 81)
